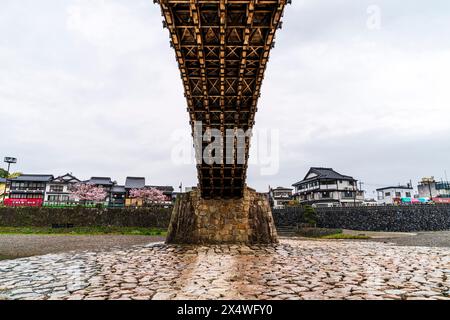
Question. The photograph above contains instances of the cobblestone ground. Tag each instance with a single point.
(294, 269)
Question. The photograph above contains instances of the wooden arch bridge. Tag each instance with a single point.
(222, 48)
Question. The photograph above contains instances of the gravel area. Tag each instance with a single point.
(422, 239)
(18, 246)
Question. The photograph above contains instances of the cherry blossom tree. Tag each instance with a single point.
(147, 195)
(87, 192)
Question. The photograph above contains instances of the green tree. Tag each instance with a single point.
(309, 215)
(14, 175)
(4, 174)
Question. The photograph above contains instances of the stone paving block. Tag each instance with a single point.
(293, 269)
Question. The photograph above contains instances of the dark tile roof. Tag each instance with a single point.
(134, 182)
(118, 189)
(33, 177)
(324, 173)
(100, 180)
(282, 188)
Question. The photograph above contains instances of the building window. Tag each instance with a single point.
(34, 186)
(398, 194)
(326, 195)
(348, 194)
(387, 194)
(56, 188)
(408, 194)
(26, 196)
(58, 198)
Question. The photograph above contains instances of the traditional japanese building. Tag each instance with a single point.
(166, 190)
(324, 187)
(58, 189)
(130, 184)
(139, 183)
(118, 193)
(105, 182)
(28, 189)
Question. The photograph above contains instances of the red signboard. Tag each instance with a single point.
(23, 202)
(441, 200)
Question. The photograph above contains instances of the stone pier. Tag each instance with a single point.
(213, 221)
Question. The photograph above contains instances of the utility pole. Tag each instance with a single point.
(355, 190)
(429, 188)
(8, 160)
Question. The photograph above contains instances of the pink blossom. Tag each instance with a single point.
(148, 195)
(87, 192)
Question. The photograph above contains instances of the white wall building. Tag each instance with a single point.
(279, 197)
(58, 189)
(394, 194)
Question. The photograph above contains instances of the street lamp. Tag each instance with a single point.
(8, 160)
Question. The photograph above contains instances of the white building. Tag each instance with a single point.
(394, 194)
(324, 187)
(57, 190)
(279, 197)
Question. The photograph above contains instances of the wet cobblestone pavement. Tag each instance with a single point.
(294, 269)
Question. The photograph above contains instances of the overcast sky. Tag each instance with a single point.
(92, 87)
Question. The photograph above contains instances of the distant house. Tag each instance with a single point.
(28, 189)
(280, 197)
(118, 193)
(139, 183)
(130, 184)
(324, 187)
(438, 191)
(166, 190)
(134, 183)
(105, 182)
(394, 194)
(58, 189)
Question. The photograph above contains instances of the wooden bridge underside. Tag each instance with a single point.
(222, 48)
